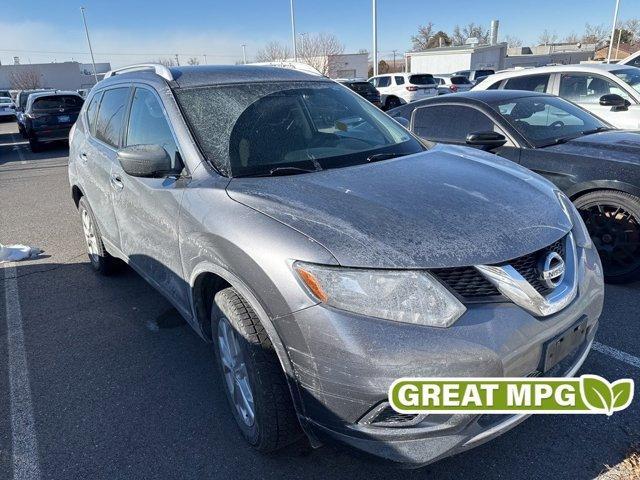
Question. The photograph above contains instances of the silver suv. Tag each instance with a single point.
(325, 251)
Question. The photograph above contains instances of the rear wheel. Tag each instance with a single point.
(392, 102)
(613, 221)
(253, 380)
(100, 259)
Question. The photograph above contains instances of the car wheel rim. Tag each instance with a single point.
(89, 236)
(616, 234)
(234, 370)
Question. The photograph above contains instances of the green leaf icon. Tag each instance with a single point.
(597, 393)
(622, 393)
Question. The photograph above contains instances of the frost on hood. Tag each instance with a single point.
(14, 253)
(213, 111)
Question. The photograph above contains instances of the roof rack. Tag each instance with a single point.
(303, 67)
(159, 69)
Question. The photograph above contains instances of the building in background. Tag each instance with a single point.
(619, 52)
(551, 54)
(453, 59)
(348, 65)
(63, 76)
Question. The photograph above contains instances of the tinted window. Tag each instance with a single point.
(421, 79)
(399, 80)
(384, 81)
(484, 73)
(493, 86)
(449, 123)
(635, 62)
(630, 76)
(544, 120)
(66, 102)
(91, 112)
(587, 88)
(531, 83)
(464, 73)
(110, 116)
(148, 124)
(460, 80)
(362, 87)
(253, 129)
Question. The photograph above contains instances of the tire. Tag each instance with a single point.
(613, 221)
(272, 424)
(34, 145)
(101, 261)
(392, 102)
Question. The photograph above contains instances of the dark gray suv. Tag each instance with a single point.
(325, 251)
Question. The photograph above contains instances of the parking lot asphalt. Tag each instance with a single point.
(103, 380)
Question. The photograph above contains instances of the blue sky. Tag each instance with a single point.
(128, 31)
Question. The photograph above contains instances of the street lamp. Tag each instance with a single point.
(375, 37)
(613, 30)
(86, 30)
(244, 53)
(293, 32)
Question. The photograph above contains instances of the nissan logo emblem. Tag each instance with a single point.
(552, 270)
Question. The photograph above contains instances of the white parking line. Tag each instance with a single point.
(19, 149)
(23, 432)
(617, 354)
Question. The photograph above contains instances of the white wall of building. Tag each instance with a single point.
(440, 63)
(63, 76)
(448, 60)
(349, 65)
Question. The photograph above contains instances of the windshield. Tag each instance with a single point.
(362, 87)
(57, 102)
(630, 76)
(547, 120)
(422, 79)
(264, 128)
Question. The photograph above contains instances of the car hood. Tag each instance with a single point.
(618, 145)
(450, 206)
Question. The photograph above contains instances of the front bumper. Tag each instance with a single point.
(344, 363)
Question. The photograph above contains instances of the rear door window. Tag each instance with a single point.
(148, 124)
(111, 115)
(91, 112)
(530, 83)
(449, 123)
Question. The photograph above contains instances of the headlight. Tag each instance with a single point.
(580, 232)
(401, 295)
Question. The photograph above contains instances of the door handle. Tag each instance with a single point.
(116, 182)
(84, 157)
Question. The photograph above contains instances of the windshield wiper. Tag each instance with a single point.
(384, 156)
(596, 130)
(291, 170)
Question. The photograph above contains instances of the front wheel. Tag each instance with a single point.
(613, 221)
(253, 380)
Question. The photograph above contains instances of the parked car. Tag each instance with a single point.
(632, 60)
(475, 75)
(363, 88)
(399, 88)
(612, 92)
(452, 84)
(325, 251)
(7, 108)
(597, 166)
(21, 102)
(49, 116)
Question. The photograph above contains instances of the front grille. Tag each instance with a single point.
(472, 286)
(466, 282)
(527, 265)
(384, 416)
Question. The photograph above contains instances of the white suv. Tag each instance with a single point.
(610, 91)
(399, 88)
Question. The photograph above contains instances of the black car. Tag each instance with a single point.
(597, 166)
(364, 89)
(49, 116)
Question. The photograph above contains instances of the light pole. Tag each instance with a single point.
(86, 30)
(375, 38)
(394, 59)
(613, 30)
(244, 53)
(293, 32)
(205, 58)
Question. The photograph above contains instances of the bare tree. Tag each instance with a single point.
(547, 37)
(596, 34)
(273, 52)
(167, 62)
(25, 79)
(572, 38)
(513, 42)
(193, 61)
(420, 41)
(319, 50)
(633, 26)
(472, 30)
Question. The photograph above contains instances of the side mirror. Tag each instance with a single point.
(615, 101)
(486, 140)
(145, 160)
(402, 121)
